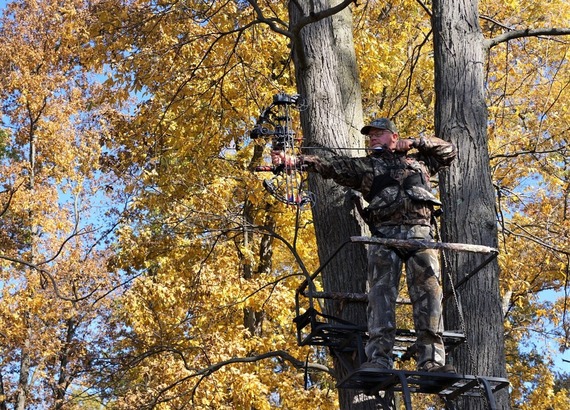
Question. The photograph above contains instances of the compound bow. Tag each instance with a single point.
(288, 182)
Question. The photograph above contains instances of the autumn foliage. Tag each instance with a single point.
(142, 263)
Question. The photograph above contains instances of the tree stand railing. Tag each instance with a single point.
(343, 338)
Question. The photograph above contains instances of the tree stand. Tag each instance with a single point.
(344, 339)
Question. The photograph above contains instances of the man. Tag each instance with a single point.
(396, 186)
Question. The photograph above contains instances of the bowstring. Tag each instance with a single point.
(294, 180)
(291, 186)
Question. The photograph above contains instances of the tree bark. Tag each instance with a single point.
(3, 405)
(23, 384)
(331, 91)
(467, 191)
(348, 75)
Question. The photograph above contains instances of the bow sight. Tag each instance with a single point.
(275, 123)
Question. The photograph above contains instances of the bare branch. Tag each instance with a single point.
(313, 17)
(425, 7)
(528, 152)
(202, 374)
(11, 191)
(533, 238)
(416, 54)
(280, 354)
(514, 34)
(298, 364)
(273, 23)
(46, 275)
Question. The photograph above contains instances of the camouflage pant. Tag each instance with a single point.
(422, 277)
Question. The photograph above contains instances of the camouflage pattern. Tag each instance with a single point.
(397, 189)
(422, 278)
(381, 124)
(397, 202)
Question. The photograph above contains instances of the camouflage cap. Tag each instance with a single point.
(380, 123)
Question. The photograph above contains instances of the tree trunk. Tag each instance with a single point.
(332, 114)
(348, 76)
(3, 405)
(23, 384)
(467, 191)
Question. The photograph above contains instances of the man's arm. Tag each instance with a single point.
(311, 163)
(435, 152)
(344, 171)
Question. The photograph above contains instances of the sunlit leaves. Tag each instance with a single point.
(396, 70)
(198, 213)
(527, 82)
(53, 275)
(167, 115)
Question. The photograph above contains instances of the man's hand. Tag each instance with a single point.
(277, 157)
(404, 145)
(280, 158)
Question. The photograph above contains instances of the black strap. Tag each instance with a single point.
(379, 183)
(413, 180)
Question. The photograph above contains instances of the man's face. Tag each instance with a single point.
(378, 138)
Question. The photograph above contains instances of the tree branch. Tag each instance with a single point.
(528, 152)
(533, 238)
(425, 7)
(11, 191)
(271, 22)
(46, 275)
(298, 364)
(313, 17)
(201, 374)
(513, 34)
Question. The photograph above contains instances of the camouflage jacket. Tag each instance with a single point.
(396, 185)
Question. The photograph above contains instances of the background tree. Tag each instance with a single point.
(53, 277)
(325, 65)
(461, 117)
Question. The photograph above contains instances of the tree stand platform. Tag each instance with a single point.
(449, 386)
(317, 329)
